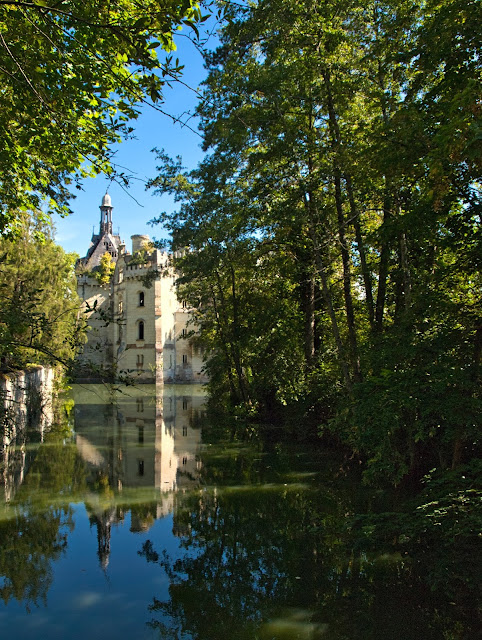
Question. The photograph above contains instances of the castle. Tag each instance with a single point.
(136, 325)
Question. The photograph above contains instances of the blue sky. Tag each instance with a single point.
(134, 207)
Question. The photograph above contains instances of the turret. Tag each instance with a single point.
(140, 242)
(106, 214)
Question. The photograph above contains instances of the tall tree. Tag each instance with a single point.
(39, 314)
(342, 162)
(73, 73)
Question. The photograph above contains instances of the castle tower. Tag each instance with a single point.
(106, 214)
(105, 241)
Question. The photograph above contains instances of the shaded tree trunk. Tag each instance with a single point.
(308, 306)
(342, 358)
(345, 254)
(383, 264)
(367, 278)
(224, 343)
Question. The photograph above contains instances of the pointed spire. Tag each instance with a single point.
(106, 214)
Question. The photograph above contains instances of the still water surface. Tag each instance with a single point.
(133, 521)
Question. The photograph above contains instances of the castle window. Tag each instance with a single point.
(184, 304)
(184, 431)
(184, 404)
(140, 405)
(184, 333)
(140, 361)
(120, 306)
(140, 467)
(141, 298)
(184, 359)
(140, 437)
(140, 330)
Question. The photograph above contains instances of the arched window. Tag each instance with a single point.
(140, 330)
(141, 298)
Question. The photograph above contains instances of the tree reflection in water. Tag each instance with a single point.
(266, 542)
(284, 561)
(34, 534)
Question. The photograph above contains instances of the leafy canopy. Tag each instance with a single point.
(72, 76)
(39, 321)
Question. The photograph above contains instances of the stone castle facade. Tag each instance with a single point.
(137, 326)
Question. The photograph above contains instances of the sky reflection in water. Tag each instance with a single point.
(69, 544)
(135, 528)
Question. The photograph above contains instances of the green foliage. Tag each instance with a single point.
(140, 257)
(73, 76)
(39, 308)
(439, 531)
(334, 226)
(105, 270)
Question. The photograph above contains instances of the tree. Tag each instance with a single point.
(342, 164)
(72, 76)
(105, 269)
(39, 314)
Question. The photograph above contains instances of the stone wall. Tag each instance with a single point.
(25, 400)
(97, 355)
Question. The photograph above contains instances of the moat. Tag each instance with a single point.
(135, 517)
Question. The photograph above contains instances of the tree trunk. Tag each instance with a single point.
(407, 283)
(308, 306)
(345, 254)
(235, 332)
(342, 359)
(383, 264)
(233, 349)
(224, 344)
(367, 279)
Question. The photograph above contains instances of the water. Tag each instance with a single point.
(142, 524)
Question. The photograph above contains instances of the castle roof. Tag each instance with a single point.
(105, 241)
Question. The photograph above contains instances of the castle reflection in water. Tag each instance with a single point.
(141, 447)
